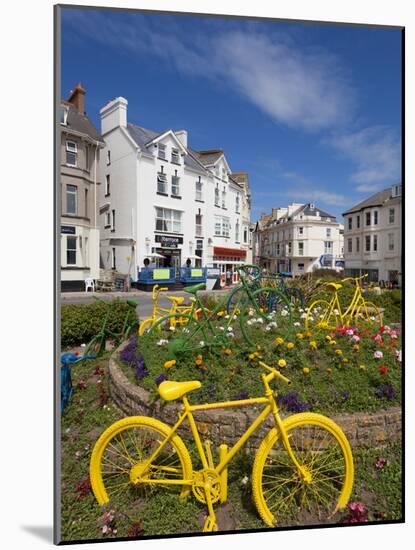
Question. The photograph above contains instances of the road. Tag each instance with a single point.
(144, 299)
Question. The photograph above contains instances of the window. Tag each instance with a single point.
(87, 158)
(300, 267)
(375, 217)
(290, 248)
(237, 200)
(391, 242)
(198, 220)
(328, 232)
(278, 249)
(175, 156)
(162, 183)
(86, 203)
(161, 151)
(113, 260)
(301, 248)
(224, 199)
(175, 186)
(113, 221)
(367, 245)
(217, 196)
(391, 215)
(350, 223)
(237, 231)
(71, 199)
(108, 219)
(168, 220)
(71, 153)
(301, 230)
(367, 218)
(375, 243)
(107, 185)
(199, 244)
(64, 115)
(357, 244)
(396, 190)
(199, 190)
(328, 247)
(245, 234)
(108, 157)
(349, 245)
(71, 250)
(222, 226)
(358, 222)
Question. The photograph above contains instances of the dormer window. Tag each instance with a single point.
(64, 115)
(396, 190)
(161, 151)
(175, 156)
(161, 183)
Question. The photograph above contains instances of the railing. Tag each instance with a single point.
(152, 275)
(193, 275)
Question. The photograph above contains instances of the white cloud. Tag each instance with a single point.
(376, 153)
(294, 87)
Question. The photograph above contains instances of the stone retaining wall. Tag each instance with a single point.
(227, 425)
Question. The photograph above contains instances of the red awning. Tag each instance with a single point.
(236, 252)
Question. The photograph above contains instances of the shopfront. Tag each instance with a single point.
(227, 260)
(168, 247)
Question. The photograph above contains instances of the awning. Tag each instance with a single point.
(236, 252)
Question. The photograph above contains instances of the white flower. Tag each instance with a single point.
(355, 338)
(349, 332)
(284, 313)
(398, 354)
(249, 322)
(226, 316)
(83, 345)
(303, 316)
(301, 310)
(223, 328)
(336, 311)
(172, 328)
(186, 330)
(230, 329)
(201, 343)
(162, 342)
(311, 318)
(231, 335)
(268, 328)
(378, 354)
(260, 320)
(297, 324)
(251, 312)
(244, 480)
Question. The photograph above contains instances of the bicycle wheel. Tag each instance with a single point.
(320, 316)
(321, 448)
(96, 346)
(145, 326)
(181, 339)
(118, 461)
(368, 312)
(235, 299)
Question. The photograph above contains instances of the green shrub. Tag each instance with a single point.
(80, 322)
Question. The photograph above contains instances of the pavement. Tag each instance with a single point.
(144, 299)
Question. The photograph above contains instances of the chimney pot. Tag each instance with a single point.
(77, 98)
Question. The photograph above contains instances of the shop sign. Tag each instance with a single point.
(213, 272)
(235, 252)
(168, 241)
(68, 229)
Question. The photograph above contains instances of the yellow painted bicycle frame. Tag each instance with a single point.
(226, 455)
(357, 301)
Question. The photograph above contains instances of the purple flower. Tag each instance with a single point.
(242, 394)
(385, 391)
(381, 463)
(160, 379)
(291, 402)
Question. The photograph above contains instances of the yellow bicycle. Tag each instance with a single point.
(324, 315)
(303, 469)
(159, 312)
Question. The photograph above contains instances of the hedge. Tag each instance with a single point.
(80, 322)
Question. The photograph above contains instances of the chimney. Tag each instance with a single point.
(182, 137)
(114, 114)
(77, 98)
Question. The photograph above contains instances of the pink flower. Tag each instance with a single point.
(357, 508)
(356, 338)
(398, 355)
(377, 338)
(349, 332)
(378, 354)
(394, 334)
(381, 463)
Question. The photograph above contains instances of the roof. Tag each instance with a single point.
(378, 199)
(80, 122)
(308, 211)
(142, 136)
(207, 158)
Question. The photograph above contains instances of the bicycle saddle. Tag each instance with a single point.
(194, 288)
(334, 286)
(170, 390)
(177, 299)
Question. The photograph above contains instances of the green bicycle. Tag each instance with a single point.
(214, 329)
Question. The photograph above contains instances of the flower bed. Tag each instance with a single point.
(346, 370)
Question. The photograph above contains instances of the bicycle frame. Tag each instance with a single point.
(351, 308)
(271, 407)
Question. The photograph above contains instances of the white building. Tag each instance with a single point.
(298, 239)
(372, 236)
(164, 201)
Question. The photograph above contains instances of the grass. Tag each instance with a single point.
(91, 411)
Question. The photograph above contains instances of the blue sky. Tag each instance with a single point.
(312, 112)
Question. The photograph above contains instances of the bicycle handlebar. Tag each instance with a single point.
(276, 373)
(355, 278)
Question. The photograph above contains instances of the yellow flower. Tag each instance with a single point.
(254, 355)
(345, 360)
(338, 352)
(290, 345)
(329, 370)
(306, 370)
(227, 351)
(363, 367)
(221, 313)
(332, 342)
(313, 344)
(328, 337)
(169, 364)
(308, 334)
(282, 363)
(300, 335)
(279, 341)
(356, 347)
